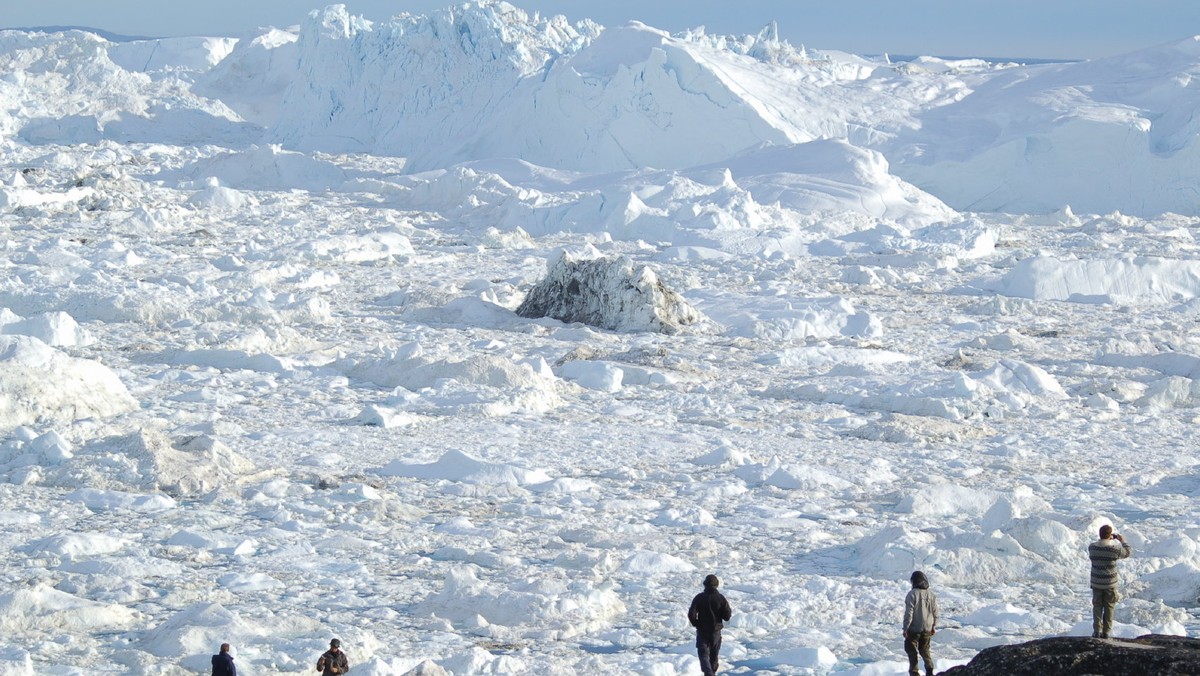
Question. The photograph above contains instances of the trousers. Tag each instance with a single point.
(918, 642)
(1104, 602)
(708, 644)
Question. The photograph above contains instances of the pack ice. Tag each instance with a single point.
(476, 339)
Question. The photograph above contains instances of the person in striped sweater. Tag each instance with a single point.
(1104, 554)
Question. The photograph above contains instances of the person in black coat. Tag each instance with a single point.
(222, 663)
(708, 613)
(333, 662)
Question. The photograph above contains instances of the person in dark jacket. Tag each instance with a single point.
(920, 623)
(708, 613)
(333, 661)
(222, 662)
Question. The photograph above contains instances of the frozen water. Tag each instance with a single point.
(265, 376)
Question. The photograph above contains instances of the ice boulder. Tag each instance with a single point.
(791, 319)
(458, 466)
(51, 448)
(608, 292)
(108, 501)
(476, 660)
(1178, 546)
(645, 563)
(819, 658)
(1048, 538)
(1007, 618)
(39, 384)
(1012, 376)
(148, 461)
(941, 500)
(248, 582)
(193, 632)
(1169, 392)
(722, 456)
(1022, 502)
(58, 329)
(493, 385)
(802, 477)
(1141, 279)
(374, 415)
(15, 198)
(15, 662)
(264, 168)
(76, 545)
(427, 668)
(47, 609)
(216, 196)
(1178, 584)
(571, 609)
(413, 371)
(1010, 385)
(594, 375)
(894, 552)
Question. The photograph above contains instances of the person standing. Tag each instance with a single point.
(708, 613)
(1104, 554)
(222, 662)
(920, 623)
(333, 661)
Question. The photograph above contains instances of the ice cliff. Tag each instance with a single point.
(487, 81)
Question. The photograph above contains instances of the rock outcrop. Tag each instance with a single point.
(1149, 655)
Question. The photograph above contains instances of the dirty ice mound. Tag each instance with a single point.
(608, 292)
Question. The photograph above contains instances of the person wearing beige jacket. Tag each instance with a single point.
(920, 623)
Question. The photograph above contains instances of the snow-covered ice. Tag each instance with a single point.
(283, 354)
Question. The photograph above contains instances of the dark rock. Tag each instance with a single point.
(1149, 655)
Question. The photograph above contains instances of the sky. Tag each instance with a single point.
(1054, 29)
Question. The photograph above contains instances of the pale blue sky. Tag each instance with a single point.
(1000, 28)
